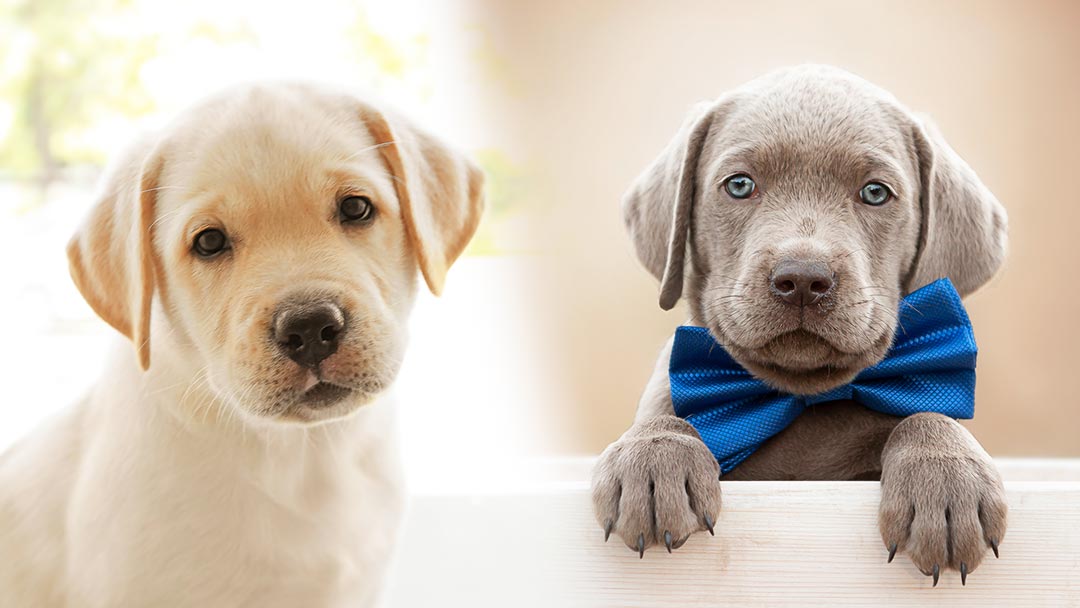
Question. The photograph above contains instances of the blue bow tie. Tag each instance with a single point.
(929, 368)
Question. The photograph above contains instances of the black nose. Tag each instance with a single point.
(308, 332)
(800, 282)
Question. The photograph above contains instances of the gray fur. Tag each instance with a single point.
(811, 137)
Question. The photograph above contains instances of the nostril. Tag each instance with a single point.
(329, 333)
(801, 282)
(294, 342)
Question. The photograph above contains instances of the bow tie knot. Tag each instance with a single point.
(930, 367)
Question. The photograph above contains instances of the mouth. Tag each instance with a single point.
(803, 362)
(323, 394)
(797, 352)
(804, 350)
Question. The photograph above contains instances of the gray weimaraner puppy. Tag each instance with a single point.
(774, 176)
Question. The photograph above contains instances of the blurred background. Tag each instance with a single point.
(600, 87)
(79, 79)
(549, 327)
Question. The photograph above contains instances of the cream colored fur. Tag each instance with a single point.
(195, 473)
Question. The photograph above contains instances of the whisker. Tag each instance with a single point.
(370, 148)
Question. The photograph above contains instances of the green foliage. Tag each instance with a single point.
(70, 69)
(507, 187)
(507, 183)
(67, 66)
(387, 60)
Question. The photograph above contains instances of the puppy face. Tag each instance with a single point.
(285, 260)
(810, 203)
(800, 276)
(284, 240)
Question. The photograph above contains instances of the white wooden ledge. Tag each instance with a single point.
(777, 543)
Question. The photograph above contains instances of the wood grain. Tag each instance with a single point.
(777, 543)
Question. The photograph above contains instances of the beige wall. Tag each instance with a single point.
(592, 90)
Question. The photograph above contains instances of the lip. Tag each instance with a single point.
(808, 345)
(813, 353)
(324, 394)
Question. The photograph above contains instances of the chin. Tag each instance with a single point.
(804, 363)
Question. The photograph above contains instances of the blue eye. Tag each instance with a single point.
(875, 193)
(740, 186)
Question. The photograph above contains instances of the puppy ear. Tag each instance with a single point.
(440, 192)
(963, 229)
(658, 207)
(111, 254)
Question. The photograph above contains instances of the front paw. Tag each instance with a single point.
(658, 484)
(942, 499)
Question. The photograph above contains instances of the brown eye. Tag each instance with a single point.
(354, 209)
(210, 242)
(875, 193)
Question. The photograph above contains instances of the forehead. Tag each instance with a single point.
(794, 125)
(272, 149)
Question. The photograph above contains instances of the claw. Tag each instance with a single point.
(993, 545)
(607, 529)
(709, 524)
(641, 546)
(892, 553)
(667, 540)
(936, 574)
(963, 573)
(680, 542)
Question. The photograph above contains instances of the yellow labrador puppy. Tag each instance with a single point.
(261, 254)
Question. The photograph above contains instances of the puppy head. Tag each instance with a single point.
(280, 228)
(809, 202)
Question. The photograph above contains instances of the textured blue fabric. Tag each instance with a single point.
(929, 368)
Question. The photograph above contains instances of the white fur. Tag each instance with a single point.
(200, 479)
(125, 501)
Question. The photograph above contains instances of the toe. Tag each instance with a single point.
(606, 490)
(635, 522)
(702, 489)
(965, 537)
(928, 545)
(894, 522)
(606, 495)
(674, 517)
(992, 513)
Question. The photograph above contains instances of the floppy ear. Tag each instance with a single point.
(658, 206)
(111, 254)
(963, 229)
(440, 192)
